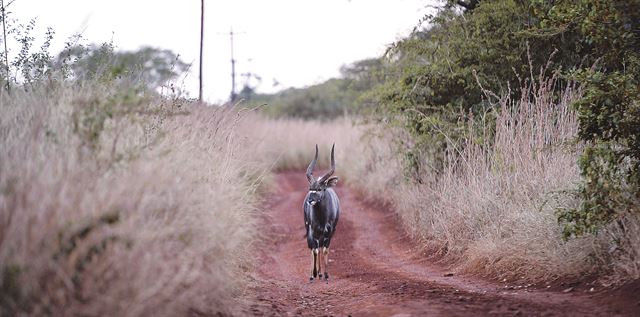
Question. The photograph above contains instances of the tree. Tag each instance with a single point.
(152, 66)
(606, 34)
(436, 76)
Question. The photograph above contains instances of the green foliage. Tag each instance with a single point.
(602, 192)
(466, 4)
(439, 77)
(323, 101)
(439, 80)
(605, 34)
(90, 116)
(363, 76)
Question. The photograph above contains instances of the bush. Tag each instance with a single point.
(605, 34)
(440, 74)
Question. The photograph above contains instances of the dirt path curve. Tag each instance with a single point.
(374, 271)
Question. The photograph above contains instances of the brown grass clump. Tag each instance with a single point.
(115, 203)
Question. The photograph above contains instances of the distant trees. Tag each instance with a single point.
(152, 67)
(318, 102)
(330, 99)
(148, 66)
(365, 74)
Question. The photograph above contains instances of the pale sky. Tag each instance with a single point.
(296, 42)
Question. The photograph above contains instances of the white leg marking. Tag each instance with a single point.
(316, 261)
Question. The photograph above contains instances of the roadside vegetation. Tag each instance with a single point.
(115, 202)
(117, 195)
(503, 133)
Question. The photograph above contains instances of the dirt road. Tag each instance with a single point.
(375, 272)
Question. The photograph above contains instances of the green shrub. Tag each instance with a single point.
(440, 77)
(605, 34)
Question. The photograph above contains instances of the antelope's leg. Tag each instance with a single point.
(316, 262)
(320, 264)
(325, 257)
(313, 265)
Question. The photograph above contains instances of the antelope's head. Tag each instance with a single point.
(317, 187)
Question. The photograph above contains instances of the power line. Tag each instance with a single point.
(233, 96)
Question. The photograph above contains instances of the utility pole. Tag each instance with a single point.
(201, 47)
(233, 70)
(4, 39)
(233, 95)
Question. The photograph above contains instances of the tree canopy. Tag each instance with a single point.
(151, 66)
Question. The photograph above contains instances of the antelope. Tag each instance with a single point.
(321, 212)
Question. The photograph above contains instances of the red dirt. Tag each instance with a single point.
(375, 272)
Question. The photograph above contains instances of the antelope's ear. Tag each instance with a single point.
(331, 181)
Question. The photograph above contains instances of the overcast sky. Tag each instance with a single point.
(295, 42)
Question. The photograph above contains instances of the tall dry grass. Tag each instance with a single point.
(117, 203)
(493, 209)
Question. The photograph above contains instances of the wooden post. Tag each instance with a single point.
(201, 47)
(4, 39)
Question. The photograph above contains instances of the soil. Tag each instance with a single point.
(376, 271)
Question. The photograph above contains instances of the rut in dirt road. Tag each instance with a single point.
(375, 272)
